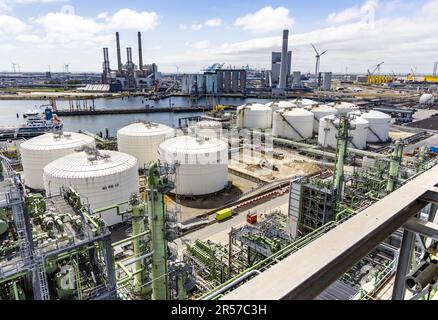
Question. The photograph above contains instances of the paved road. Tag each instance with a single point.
(216, 228)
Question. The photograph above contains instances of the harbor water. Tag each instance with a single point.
(95, 124)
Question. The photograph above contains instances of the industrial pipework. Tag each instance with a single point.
(341, 154)
(157, 224)
(138, 217)
(394, 166)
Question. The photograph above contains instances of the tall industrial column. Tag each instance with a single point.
(341, 154)
(138, 216)
(394, 166)
(157, 225)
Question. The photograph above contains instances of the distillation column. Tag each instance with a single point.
(157, 225)
(394, 166)
(138, 217)
(341, 154)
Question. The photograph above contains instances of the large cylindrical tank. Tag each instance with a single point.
(142, 139)
(294, 124)
(319, 112)
(427, 99)
(378, 127)
(102, 180)
(328, 127)
(209, 128)
(254, 116)
(37, 152)
(202, 164)
(302, 103)
(344, 107)
(277, 105)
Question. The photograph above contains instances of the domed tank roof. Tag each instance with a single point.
(81, 165)
(193, 145)
(373, 114)
(297, 112)
(254, 107)
(356, 119)
(281, 104)
(305, 102)
(209, 124)
(50, 141)
(322, 108)
(427, 99)
(145, 129)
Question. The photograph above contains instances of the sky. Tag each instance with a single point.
(186, 36)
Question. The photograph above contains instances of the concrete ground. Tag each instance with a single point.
(218, 232)
(193, 208)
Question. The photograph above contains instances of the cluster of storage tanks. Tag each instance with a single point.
(104, 178)
(299, 119)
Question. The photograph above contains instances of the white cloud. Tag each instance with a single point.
(131, 19)
(203, 44)
(265, 20)
(196, 27)
(402, 42)
(367, 10)
(11, 25)
(213, 23)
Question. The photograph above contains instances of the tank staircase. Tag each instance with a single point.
(377, 136)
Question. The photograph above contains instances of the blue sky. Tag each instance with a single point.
(192, 34)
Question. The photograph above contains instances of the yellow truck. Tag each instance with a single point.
(223, 214)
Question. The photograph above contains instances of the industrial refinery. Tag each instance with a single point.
(231, 183)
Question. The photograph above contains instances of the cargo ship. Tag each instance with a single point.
(37, 123)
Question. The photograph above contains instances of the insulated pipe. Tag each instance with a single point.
(231, 284)
(140, 52)
(119, 56)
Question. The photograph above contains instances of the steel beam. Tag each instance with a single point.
(308, 272)
(425, 228)
(403, 265)
(431, 195)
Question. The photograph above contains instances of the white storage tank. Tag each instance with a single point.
(202, 164)
(294, 124)
(254, 116)
(319, 112)
(277, 105)
(142, 139)
(102, 178)
(344, 107)
(378, 128)
(427, 99)
(209, 128)
(328, 128)
(37, 152)
(302, 103)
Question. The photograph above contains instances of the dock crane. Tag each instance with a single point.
(373, 69)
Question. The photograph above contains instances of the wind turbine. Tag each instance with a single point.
(318, 59)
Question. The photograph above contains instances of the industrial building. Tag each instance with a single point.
(129, 76)
(215, 81)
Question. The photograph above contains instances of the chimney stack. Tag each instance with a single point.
(284, 58)
(119, 57)
(140, 53)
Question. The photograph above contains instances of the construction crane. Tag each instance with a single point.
(318, 60)
(375, 68)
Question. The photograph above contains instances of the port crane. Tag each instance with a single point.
(375, 68)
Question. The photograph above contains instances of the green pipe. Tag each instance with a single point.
(157, 225)
(394, 166)
(286, 250)
(130, 238)
(341, 154)
(138, 216)
(15, 290)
